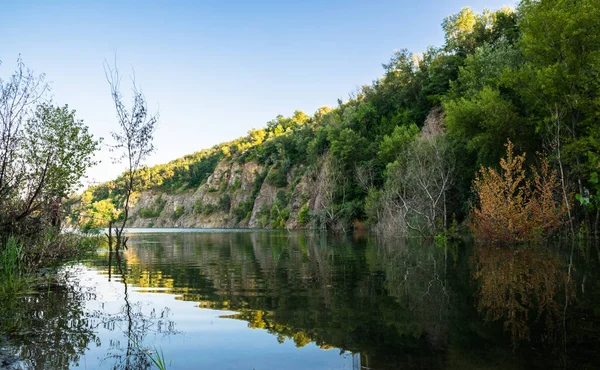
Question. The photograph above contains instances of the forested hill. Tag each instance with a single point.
(402, 153)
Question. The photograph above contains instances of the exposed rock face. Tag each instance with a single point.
(231, 184)
(264, 200)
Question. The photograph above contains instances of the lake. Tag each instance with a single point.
(243, 299)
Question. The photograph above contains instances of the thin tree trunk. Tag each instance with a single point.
(562, 174)
(597, 222)
(109, 236)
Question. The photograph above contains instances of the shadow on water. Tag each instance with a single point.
(390, 305)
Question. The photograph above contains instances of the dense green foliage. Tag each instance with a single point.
(44, 152)
(527, 75)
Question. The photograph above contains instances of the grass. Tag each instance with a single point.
(11, 269)
(158, 359)
(20, 260)
(157, 356)
(10, 259)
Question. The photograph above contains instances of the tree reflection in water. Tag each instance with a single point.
(129, 352)
(53, 328)
(50, 329)
(524, 286)
(397, 304)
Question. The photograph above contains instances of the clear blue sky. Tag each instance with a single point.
(214, 69)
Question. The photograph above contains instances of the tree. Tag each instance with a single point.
(479, 122)
(562, 47)
(393, 144)
(18, 97)
(60, 146)
(133, 141)
(44, 152)
(415, 192)
(459, 29)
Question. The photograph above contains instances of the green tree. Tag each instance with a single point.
(459, 29)
(562, 47)
(59, 149)
(479, 122)
(392, 145)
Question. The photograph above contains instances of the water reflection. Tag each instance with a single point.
(401, 304)
(52, 327)
(135, 324)
(524, 287)
(295, 300)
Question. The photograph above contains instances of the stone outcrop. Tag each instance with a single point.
(218, 202)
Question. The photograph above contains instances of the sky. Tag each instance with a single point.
(213, 69)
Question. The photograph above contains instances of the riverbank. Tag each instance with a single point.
(24, 261)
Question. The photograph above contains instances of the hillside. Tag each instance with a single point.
(402, 153)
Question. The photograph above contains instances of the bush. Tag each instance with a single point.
(373, 206)
(225, 203)
(198, 208)
(304, 215)
(149, 213)
(209, 208)
(513, 208)
(278, 176)
(237, 183)
(243, 210)
(279, 219)
(179, 210)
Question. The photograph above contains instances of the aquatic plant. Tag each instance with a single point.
(156, 356)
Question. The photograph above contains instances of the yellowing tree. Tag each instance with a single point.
(513, 208)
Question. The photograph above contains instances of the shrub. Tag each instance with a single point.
(297, 174)
(225, 203)
(198, 208)
(209, 208)
(179, 210)
(304, 215)
(237, 183)
(149, 213)
(243, 209)
(278, 177)
(373, 206)
(513, 208)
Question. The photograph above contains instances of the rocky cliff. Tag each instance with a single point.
(233, 196)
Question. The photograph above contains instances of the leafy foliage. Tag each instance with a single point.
(524, 75)
(514, 208)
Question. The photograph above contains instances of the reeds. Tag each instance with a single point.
(11, 268)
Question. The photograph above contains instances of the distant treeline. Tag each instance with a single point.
(402, 153)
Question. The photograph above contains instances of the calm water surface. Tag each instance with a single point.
(277, 300)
